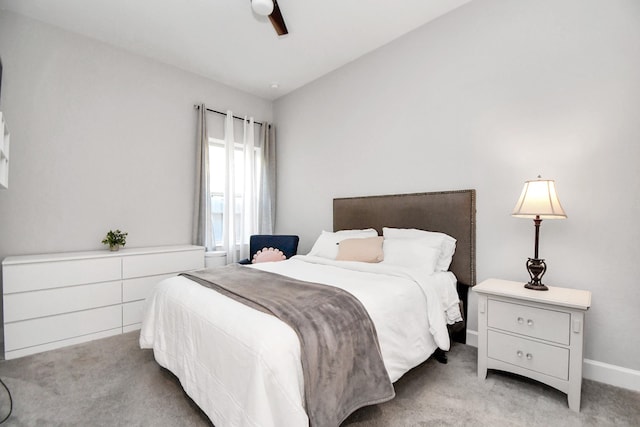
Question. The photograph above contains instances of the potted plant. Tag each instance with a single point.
(115, 239)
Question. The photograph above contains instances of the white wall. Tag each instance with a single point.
(100, 139)
(487, 97)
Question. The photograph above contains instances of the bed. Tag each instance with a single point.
(243, 366)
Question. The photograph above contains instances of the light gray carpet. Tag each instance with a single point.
(111, 382)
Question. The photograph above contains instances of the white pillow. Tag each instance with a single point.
(445, 243)
(413, 253)
(326, 246)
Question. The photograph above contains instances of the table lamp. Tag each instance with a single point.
(539, 201)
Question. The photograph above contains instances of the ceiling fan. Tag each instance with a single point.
(271, 9)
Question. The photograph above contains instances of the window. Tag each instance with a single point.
(217, 185)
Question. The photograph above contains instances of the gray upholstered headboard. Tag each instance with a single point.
(450, 212)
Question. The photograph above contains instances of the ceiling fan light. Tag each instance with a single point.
(262, 7)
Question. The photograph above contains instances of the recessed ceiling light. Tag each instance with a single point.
(275, 85)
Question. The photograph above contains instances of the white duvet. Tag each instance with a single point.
(242, 366)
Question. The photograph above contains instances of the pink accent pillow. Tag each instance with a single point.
(268, 255)
(368, 249)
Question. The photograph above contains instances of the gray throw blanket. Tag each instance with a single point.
(341, 361)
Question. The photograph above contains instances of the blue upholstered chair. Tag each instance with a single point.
(288, 244)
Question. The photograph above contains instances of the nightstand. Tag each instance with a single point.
(536, 334)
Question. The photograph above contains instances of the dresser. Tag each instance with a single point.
(536, 334)
(55, 300)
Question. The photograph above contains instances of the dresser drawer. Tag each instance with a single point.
(141, 288)
(47, 275)
(546, 359)
(27, 305)
(132, 312)
(56, 328)
(161, 263)
(548, 325)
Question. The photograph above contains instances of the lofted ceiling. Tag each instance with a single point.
(225, 41)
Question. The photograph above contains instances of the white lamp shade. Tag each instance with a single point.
(262, 7)
(539, 198)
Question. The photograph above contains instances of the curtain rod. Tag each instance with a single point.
(197, 107)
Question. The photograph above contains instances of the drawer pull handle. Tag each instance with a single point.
(520, 320)
(530, 322)
(519, 353)
(529, 356)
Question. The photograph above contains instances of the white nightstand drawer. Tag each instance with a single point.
(543, 358)
(549, 325)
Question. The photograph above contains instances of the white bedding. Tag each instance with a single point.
(242, 366)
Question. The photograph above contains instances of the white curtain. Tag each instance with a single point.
(247, 197)
(240, 195)
(250, 195)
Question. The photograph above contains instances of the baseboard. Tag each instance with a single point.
(593, 370)
(611, 374)
(472, 338)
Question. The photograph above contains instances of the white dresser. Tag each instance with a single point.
(55, 300)
(537, 334)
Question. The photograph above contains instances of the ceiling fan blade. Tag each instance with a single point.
(277, 20)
